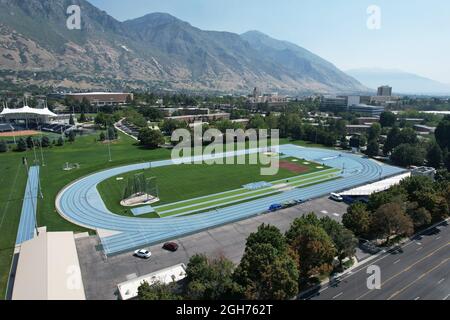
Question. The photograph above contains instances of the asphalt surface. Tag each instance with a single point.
(101, 274)
(419, 270)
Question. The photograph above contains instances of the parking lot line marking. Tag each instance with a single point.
(446, 297)
(418, 298)
(397, 261)
(338, 295)
(420, 248)
(442, 280)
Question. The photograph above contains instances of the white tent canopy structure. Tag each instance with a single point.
(27, 116)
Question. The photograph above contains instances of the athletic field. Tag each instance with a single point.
(186, 189)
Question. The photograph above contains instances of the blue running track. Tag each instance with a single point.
(28, 216)
(81, 203)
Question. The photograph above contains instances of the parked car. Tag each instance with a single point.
(170, 246)
(143, 253)
(336, 197)
(275, 207)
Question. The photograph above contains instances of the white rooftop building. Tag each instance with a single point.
(48, 268)
(129, 289)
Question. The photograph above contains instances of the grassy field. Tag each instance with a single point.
(91, 155)
(184, 182)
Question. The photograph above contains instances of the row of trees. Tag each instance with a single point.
(30, 143)
(274, 266)
(401, 210)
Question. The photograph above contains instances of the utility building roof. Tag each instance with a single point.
(48, 268)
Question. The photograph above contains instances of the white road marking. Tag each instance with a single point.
(446, 297)
(420, 248)
(442, 280)
(338, 295)
(418, 298)
(336, 214)
(397, 261)
(324, 211)
(419, 243)
(438, 238)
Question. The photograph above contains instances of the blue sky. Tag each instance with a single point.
(414, 34)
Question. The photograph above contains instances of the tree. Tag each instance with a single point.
(442, 133)
(30, 143)
(435, 158)
(102, 136)
(82, 118)
(150, 139)
(267, 234)
(315, 251)
(21, 145)
(344, 240)
(373, 148)
(71, 121)
(392, 140)
(112, 133)
(375, 132)
(391, 220)
(3, 146)
(419, 216)
(45, 142)
(60, 142)
(357, 219)
(209, 279)
(407, 155)
(72, 136)
(387, 119)
(157, 291)
(265, 273)
(297, 224)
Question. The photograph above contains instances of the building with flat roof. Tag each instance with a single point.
(384, 91)
(129, 289)
(48, 268)
(201, 117)
(102, 98)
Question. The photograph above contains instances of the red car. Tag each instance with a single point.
(170, 246)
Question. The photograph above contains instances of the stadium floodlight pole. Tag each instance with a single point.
(34, 151)
(109, 141)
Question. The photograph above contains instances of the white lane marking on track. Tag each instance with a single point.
(338, 295)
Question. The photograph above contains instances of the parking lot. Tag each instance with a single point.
(101, 275)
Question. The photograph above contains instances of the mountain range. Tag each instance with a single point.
(154, 51)
(401, 81)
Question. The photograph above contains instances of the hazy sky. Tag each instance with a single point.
(414, 34)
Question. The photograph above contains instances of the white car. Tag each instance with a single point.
(336, 197)
(142, 253)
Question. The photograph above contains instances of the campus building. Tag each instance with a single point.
(102, 98)
(349, 104)
(384, 91)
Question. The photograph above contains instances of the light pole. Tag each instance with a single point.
(109, 141)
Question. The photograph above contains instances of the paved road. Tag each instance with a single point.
(101, 276)
(420, 270)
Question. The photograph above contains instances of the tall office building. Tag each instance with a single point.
(384, 91)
